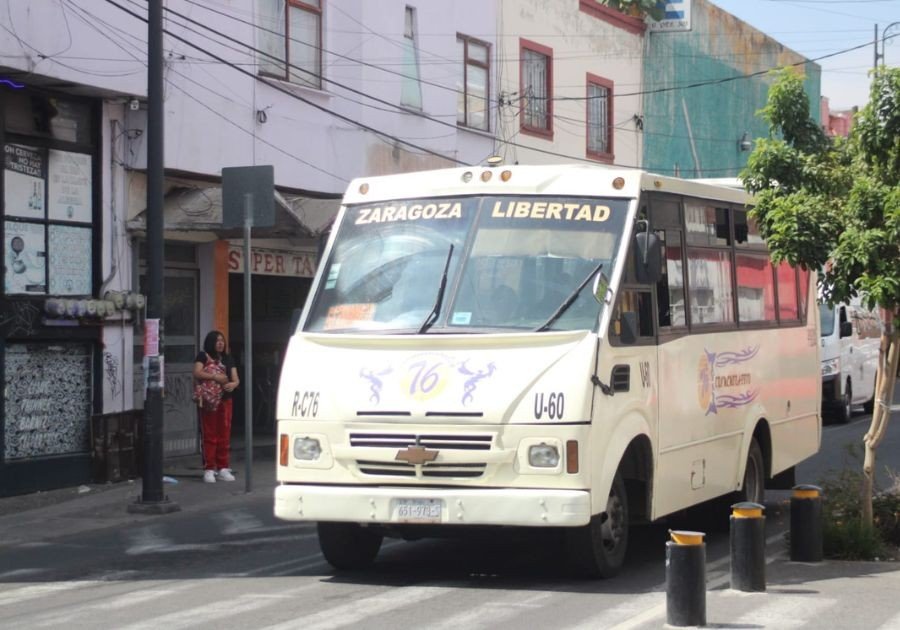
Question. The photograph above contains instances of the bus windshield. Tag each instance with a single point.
(511, 261)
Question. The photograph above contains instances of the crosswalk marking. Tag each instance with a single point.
(361, 609)
(781, 611)
(493, 612)
(34, 591)
(628, 614)
(69, 615)
(217, 610)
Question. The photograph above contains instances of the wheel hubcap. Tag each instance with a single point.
(611, 530)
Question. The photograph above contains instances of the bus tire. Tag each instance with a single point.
(348, 546)
(753, 488)
(597, 550)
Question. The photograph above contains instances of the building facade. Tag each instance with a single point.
(702, 90)
(322, 90)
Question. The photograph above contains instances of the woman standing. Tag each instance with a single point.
(214, 364)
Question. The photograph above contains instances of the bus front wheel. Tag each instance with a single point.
(597, 549)
(348, 546)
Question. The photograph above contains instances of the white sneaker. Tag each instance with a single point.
(225, 475)
(209, 476)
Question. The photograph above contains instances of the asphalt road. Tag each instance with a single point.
(232, 563)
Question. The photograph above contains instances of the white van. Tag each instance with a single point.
(850, 338)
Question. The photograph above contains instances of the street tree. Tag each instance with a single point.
(833, 205)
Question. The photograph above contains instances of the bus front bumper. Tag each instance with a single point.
(436, 506)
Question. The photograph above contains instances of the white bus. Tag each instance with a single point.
(575, 347)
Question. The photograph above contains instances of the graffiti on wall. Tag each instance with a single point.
(48, 399)
(20, 319)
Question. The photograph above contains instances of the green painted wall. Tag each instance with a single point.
(717, 49)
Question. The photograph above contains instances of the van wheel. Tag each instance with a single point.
(348, 546)
(597, 550)
(753, 488)
(869, 405)
(845, 411)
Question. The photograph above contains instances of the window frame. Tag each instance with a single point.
(410, 12)
(593, 80)
(286, 75)
(547, 52)
(466, 61)
(734, 249)
(45, 144)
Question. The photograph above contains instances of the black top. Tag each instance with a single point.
(227, 361)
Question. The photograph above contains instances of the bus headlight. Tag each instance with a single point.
(307, 449)
(831, 367)
(543, 456)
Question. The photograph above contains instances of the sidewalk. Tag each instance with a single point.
(47, 515)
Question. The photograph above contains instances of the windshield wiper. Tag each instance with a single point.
(436, 309)
(568, 301)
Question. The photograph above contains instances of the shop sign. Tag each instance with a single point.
(273, 262)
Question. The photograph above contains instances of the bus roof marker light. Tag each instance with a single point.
(657, 183)
(467, 177)
(505, 175)
(619, 183)
(363, 189)
(494, 160)
(486, 176)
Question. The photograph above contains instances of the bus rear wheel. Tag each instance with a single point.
(753, 488)
(597, 550)
(348, 546)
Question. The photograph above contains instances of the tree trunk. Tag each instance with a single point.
(888, 356)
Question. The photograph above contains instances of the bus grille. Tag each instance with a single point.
(442, 442)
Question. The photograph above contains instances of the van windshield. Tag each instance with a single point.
(514, 260)
(826, 320)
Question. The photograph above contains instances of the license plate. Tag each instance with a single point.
(418, 510)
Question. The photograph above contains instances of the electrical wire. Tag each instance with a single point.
(204, 105)
(283, 90)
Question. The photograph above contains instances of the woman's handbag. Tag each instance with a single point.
(208, 394)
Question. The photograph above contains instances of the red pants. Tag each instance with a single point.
(215, 430)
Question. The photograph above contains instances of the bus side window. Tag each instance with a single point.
(632, 320)
(670, 288)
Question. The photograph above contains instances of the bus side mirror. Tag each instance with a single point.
(648, 258)
(846, 329)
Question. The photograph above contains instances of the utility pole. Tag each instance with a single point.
(152, 499)
(880, 56)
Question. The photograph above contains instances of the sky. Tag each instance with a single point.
(815, 28)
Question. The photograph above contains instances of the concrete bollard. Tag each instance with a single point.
(686, 579)
(806, 524)
(748, 547)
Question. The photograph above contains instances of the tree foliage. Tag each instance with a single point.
(640, 7)
(834, 205)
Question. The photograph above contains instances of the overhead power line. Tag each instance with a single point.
(283, 90)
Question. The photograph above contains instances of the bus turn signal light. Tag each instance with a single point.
(572, 457)
(283, 446)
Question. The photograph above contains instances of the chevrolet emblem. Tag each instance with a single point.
(416, 455)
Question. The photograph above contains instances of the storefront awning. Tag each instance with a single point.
(197, 207)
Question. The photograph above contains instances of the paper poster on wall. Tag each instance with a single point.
(70, 260)
(26, 258)
(23, 181)
(70, 186)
